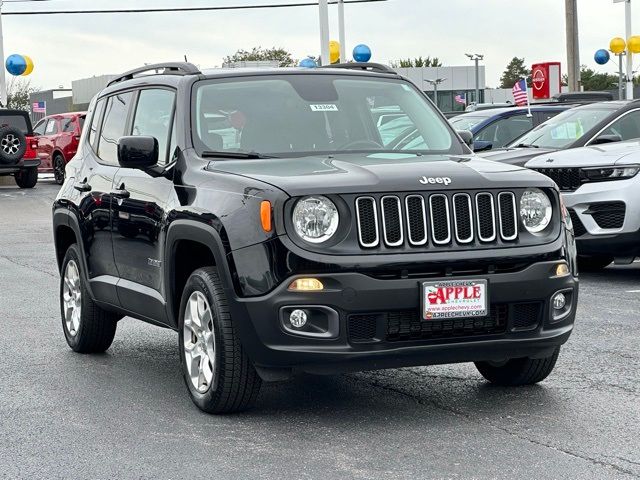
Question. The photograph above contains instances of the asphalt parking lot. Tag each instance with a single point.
(126, 414)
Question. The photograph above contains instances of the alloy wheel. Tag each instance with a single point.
(10, 144)
(199, 344)
(72, 298)
(58, 170)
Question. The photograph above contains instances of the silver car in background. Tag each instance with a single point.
(600, 186)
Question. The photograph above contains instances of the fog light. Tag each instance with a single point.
(306, 285)
(298, 318)
(559, 301)
(562, 269)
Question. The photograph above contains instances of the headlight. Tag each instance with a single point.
(315, 219)
(535, 210)
(600, 174)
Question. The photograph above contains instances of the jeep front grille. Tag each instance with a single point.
(567, 179)
(436, 219)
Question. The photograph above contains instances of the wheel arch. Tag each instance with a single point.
(191, 245)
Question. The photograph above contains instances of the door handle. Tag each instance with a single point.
(82, 186)
(120, 193)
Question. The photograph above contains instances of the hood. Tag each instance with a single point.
(357, 173)
(514, 156)
(619, 153)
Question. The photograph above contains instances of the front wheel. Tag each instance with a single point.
(219, 375)
(27, 177)
(519, 371)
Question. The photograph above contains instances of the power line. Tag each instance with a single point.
(178, 9)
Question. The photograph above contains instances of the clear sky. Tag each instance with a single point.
(65, 48)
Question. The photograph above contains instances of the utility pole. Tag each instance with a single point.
(620, 78)
(341, 38)
(434, 83)
(627, 31)
(3, 75)
(476, 57)
(573, 49)
(324, 32)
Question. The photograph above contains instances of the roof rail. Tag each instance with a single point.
(369, 67)
(169, 68)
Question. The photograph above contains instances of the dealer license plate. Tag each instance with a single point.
(454, 299)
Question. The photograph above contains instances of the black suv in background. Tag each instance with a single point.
(270, 218)
(17, 156)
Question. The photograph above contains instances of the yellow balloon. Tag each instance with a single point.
(633, 44)
(334, 51)
(29, 68)
(617, 45)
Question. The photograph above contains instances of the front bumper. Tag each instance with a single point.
(355, 295)
(612, 232)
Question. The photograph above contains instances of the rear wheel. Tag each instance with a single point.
(58, 168)
(594, 263)
(27, 177)
(87, 327)
(219, 375)
(518, 371)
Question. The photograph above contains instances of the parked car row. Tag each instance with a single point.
(26, 151)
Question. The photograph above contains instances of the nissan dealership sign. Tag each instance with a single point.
(545, 79)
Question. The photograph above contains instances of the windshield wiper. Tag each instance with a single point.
(239, 155)
(526, 145)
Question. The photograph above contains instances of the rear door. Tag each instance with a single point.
(46, 142)
(139, 214)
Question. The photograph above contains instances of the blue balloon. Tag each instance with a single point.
(308, 63)
(16, 64)
(361, 53)
(602, 56)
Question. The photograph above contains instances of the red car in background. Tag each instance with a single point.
(57, 138)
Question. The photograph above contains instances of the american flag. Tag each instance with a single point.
(520, 92)
(461, 98)
(39, 107)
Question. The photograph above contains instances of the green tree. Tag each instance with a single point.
(18, 91)
(516, 70)
(592, 80)
(280, 55)
(418, 62)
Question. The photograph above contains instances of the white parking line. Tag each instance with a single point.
(633, 291)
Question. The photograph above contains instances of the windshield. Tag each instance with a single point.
(466, 123)
(305, 114)
(564, 129)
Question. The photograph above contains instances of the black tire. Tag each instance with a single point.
(13, 145)
(593, 263)
(27, 177)
(97, 327)
(519, 371)
(58, 168)
(235, 383)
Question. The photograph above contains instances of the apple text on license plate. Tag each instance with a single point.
(454, 299)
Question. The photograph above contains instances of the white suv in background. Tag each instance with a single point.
(601, 189)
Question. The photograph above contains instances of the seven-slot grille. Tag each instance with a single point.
(438, 219)
(568, 179)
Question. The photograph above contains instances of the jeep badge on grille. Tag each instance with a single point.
(435, 180)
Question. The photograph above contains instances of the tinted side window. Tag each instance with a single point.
(16, 121)
(97, 115)
(153, 117)
(505, 130)
(68, 125)
(626, 127)
(39, 128)
(113, 127)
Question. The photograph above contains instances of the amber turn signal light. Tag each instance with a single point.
(306, 285)
(265, 216)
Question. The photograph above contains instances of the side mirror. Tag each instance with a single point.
(607, 139)
(467, 137)
(138, 152)
(482, 145)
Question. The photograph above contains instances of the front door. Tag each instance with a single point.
(139, 212)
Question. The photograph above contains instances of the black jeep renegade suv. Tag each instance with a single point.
(306, 220)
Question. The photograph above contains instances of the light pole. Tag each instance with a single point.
(627, 31)
(324, 31)
(341, 35)
(476, 57)
(435, 82)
